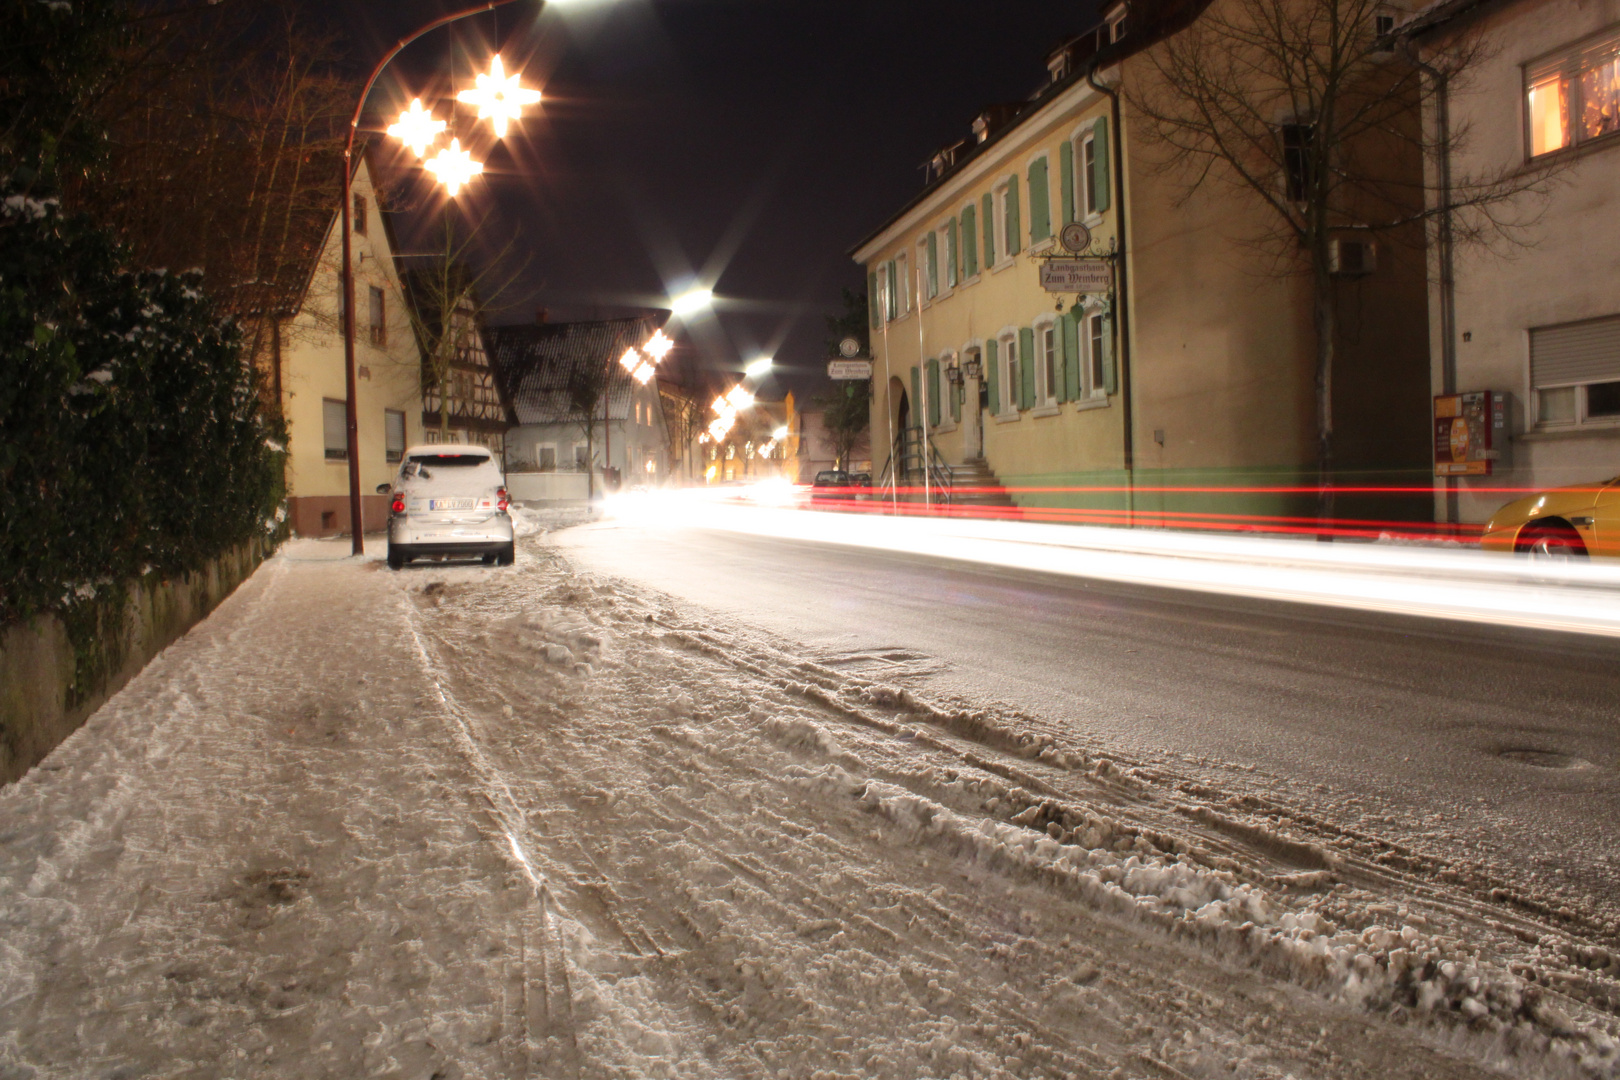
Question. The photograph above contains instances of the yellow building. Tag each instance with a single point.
(1182, 365)
(307, 370)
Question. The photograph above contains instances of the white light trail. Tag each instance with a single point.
(1466, 584)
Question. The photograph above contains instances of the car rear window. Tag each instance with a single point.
(449, 460)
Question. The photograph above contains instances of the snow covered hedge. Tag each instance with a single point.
(131, 440)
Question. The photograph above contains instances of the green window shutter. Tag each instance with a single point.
(989, 213)
(933, 264)
(970, 242)
(1071, 354)
(1099, 170)
(1026, 368)
(1066, 180)
(1014, 218)
(992, 373)
(933, 393)
(1110, 368)
(873, 300)
(916, 398)
(951, 262)
(1040, 203)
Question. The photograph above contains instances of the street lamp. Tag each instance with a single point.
(503, 97)
(759, 368)
(690, 303)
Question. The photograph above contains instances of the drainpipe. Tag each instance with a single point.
(1448, 280)
(1121, 290)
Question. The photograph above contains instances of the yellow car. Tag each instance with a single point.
(1563, 523)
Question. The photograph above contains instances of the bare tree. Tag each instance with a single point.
(1307, 109)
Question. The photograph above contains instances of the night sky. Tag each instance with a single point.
(742, 145)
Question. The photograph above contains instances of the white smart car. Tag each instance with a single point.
(448, 499)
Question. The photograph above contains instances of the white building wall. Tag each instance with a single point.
(1569, 271)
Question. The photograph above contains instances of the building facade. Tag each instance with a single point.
(309, 369)
(1541, 327)
(460, 400)
(550, 455)
(1179, 377)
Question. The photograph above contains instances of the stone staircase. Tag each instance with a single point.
(973, 483)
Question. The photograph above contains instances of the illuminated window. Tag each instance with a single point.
(1574, 97)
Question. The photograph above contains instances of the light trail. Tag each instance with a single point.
(1458, 583)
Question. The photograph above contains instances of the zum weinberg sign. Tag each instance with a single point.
(1077, 275)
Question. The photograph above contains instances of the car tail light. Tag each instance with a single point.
(399, 504)
(500, 494)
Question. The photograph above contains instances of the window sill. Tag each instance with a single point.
(974, 280)
(1082, 404)
(1041, 247)
(1047, 410)
(1590, 430)
(1002, 265)
(1570, 153)
(1007, 418)
(944, 427)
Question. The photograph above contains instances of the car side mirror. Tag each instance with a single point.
(384, 489)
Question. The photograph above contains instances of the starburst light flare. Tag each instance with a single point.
(454, 167)
(658, 346)
(643, 373)
(416, 128)
(499, 98)
(630, 359)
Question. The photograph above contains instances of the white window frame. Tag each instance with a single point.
(1094, 389)
(1007, 356)
(882, 298)
(1046, 391)
(1084, 140)
(924, 297)
(999, 204)
(902, 273)
(1570, 63)
(942, 241)
(1582, 420)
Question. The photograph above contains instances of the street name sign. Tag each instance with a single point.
(849, 369)
(1077, 275)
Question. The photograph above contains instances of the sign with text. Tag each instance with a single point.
(1077, 275)
(1466, 430)
(849, 369)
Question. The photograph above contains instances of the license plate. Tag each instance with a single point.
(451, 504)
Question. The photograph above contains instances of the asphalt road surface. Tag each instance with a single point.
(1491, 747)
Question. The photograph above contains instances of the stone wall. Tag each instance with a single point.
(52, 678)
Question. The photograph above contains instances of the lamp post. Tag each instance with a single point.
(463, 167)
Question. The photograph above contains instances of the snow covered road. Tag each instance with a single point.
(530, 822)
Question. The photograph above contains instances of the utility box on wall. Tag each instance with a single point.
(1469, 432)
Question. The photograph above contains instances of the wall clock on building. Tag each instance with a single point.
(1075, 237)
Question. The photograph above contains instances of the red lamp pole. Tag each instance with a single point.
(356, 517)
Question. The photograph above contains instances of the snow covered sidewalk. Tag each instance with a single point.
(469, 822)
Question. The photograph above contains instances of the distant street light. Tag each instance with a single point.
(691, 303)
(759, 368)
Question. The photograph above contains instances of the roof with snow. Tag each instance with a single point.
(542, 369)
